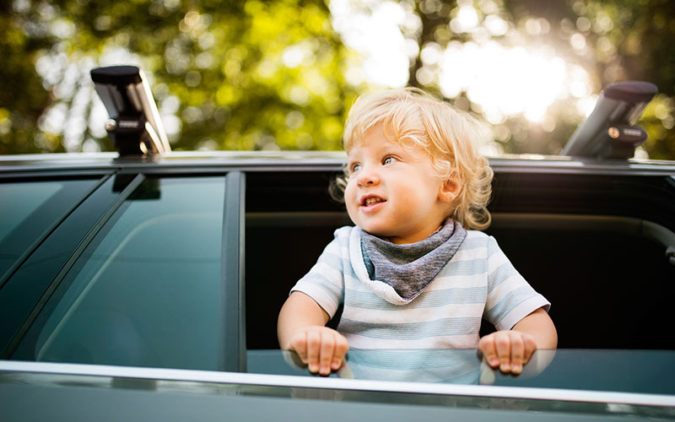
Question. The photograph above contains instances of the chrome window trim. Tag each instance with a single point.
(486, 391)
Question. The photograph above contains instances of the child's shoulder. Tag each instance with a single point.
(477, 236)
(478, 239)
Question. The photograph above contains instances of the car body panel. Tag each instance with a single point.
(572, 226)
(208, 395)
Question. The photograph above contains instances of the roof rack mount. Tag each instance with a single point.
(610, 130)
(135, 125)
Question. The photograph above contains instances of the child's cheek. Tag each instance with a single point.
(350, 201)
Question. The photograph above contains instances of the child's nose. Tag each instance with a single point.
(368, 177)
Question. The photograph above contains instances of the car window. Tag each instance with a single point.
(22, 199)
(146, 291)
(615, 370)
(29, 209)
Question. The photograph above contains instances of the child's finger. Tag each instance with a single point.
(341, 348)
(326, 353)
(503, 347)
(313, 350)
(487, 347)
(299, 345)
(517, 354)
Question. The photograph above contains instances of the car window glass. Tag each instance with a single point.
(29, 209)
(146, 290)
(630, 371)
(20, 200)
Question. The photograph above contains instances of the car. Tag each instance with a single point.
(145, 284)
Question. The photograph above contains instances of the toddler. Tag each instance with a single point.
(414, 272)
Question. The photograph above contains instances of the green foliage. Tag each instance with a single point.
(621, 40)
(22, 96)
(632, 40)
(238, 75)
(271, 74)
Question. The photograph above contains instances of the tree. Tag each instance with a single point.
(233, 75)
(22, 96)
(280, 75)
(612, 40)
(632, 41)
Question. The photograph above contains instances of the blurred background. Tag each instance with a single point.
(270, 75)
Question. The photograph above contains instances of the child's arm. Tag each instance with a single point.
(301, 327)
(511, 349)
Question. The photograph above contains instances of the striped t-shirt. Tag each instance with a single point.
(478, 282)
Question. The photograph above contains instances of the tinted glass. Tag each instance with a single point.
(146, 291)
(29, 209)
(629, 371)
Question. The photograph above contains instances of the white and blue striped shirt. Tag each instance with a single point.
(478, 282)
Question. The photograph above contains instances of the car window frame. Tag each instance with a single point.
(243, 169)
(232, 349)
(14, 286)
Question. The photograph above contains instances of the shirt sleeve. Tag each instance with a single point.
(324, 282)
(510, 297)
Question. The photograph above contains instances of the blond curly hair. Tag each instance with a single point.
(447, 135)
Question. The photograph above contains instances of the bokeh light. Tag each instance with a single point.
(282, 74)
(500, 81)
(376, 31)
(507, 81)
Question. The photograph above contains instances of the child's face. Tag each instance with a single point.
(393, 190)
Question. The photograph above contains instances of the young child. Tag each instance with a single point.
(414, 273)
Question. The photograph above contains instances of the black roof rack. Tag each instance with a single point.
(610, 131)
(135, 125)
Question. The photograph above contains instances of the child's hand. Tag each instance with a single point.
(321, 348)
(509, 350)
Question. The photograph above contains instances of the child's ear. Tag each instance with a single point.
(449, 190)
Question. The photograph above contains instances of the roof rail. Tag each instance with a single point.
(610, 131)
(135, 125)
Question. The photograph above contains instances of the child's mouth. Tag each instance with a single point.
(372, 200)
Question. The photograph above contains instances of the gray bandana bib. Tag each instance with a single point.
(409, 268)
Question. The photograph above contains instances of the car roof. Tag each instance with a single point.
(304, 160)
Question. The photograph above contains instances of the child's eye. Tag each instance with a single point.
(354, 167)
(388, 160)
